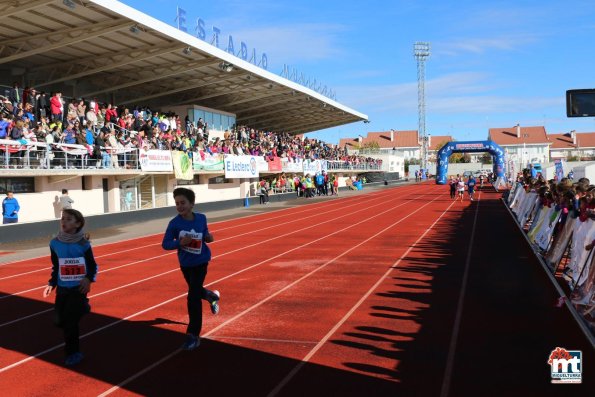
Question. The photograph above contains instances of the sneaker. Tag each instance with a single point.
(73, 359)
(215, 302)
(191, 343)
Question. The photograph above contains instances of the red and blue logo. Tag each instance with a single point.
(566, 365)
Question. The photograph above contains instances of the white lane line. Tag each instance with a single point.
(260, 303)
(268, 340)
(321, 343)
(457, 322)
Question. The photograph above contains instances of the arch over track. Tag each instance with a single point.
(469, 147)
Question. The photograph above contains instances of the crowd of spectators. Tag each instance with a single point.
(559, 218)
(52, 119)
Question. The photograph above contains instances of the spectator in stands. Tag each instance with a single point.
(16, 134)
(68, 135)
(57, 107)
(15, 95)
(4, 125)
(10, 208)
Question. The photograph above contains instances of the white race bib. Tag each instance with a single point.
(195, 246)
(72, 269)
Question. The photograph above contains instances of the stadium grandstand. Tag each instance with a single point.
(99, 98)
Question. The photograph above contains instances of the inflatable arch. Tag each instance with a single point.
(463, 147)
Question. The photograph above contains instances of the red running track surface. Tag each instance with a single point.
(401, 291)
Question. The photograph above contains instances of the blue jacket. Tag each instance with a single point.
(10, 208)
(197, 253)
(71, 262)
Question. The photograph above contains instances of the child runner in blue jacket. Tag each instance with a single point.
(188, 232)
(73, 270)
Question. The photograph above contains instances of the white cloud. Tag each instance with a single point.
(484, 45)
(458, 93)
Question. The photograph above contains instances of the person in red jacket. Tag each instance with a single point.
(56, 107)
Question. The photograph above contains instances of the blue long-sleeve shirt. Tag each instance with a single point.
(10, 208)
(197, 252)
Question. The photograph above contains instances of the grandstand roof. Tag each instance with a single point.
(108, 50)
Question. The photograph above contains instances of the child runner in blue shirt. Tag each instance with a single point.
(73, 270)
(188, 232)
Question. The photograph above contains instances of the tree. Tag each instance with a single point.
(456, 158)
(486, 158)
(370, 147)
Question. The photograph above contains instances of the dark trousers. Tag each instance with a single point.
(453, 192)
(195, 278)
(9, 220)
(70, 307)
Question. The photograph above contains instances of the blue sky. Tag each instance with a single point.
(492, 64)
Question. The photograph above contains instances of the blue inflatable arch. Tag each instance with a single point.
(464, 147)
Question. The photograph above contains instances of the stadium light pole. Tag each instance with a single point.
(421, 51)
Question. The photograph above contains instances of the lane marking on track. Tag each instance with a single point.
(268, 340)
(375, 197)
(260, 303)
(459, 314)
(321, 343)
(25, 360)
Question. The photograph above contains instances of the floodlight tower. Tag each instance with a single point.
(421, 50)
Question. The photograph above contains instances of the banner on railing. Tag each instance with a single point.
(261, 164)
(274, 164)
(203, 161)
(155, 160)
(313, 166)
(241, 166)
(559, 169)
(13, 146)
(295, 166)
(182, 165)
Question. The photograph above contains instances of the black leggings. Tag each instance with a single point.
(70, 307)
(195, 278)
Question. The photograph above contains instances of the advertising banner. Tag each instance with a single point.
(240, 167)
(203, 161)
(275, 164)
(155, 160)
(261, 164)
(313, 166)
(182, 165)
(292, 166)
(559, 169)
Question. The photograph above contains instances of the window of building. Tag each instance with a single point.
(219, 180)
(17, 185)
(194, 181)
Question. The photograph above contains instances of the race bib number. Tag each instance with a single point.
(72, 269)
(195, 246)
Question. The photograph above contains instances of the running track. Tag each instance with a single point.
(396, 292)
